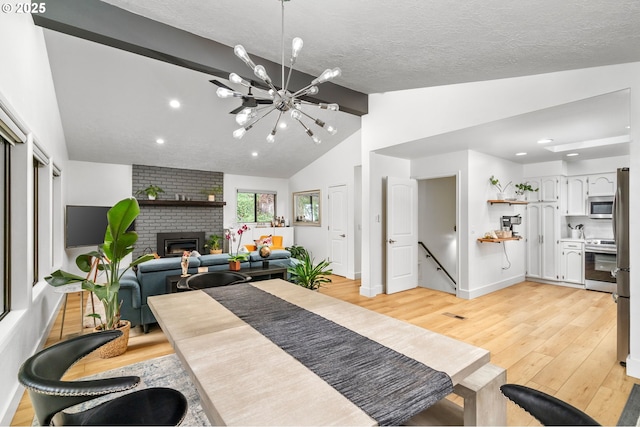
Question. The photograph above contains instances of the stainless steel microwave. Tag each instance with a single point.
(600, 207)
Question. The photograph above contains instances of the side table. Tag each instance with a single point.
(66, 290)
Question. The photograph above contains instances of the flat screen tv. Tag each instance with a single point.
(86, 225)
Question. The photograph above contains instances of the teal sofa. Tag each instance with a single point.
(150, 278)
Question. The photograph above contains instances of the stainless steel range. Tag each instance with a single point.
(599, 262)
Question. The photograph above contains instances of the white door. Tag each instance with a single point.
(338, 229)
(402, 234)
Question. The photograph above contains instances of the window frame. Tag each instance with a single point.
(256, 195)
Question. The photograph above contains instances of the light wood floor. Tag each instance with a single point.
(556, 339)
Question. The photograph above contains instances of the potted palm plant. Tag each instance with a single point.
(304, 273)
(118, 243)
(213, 244)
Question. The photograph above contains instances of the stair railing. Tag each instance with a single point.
(429, 255)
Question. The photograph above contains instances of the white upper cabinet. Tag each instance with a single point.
(548, 189)
(603, 184)
(577, 192)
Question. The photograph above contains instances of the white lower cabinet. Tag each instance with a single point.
(572, 262)
(543, 231)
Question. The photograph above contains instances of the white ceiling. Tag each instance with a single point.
(114, 104)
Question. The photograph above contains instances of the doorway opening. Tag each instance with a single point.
(438, 251)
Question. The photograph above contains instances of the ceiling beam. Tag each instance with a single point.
(109, 25)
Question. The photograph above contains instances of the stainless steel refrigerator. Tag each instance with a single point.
(621, 233)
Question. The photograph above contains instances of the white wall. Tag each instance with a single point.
(82, 186)
(233, 183)
(454, 107)
(26, 87)
(336, 167)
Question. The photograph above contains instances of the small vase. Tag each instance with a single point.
(212, 197)
(234, 265)
(501, 196)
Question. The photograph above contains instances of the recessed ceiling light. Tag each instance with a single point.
(254, 154)
(521, 154)
(159, 141)
(573, 154)
(628, 127)
(545, 140)
(174, 103)
(282, 125)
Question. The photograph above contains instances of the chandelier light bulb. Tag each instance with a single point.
(313, 90)
(330, 107)
(326, 75)
(271, 138)
(295, 114)
(336, 72)
(316, 140)
(234, 78)
(223, 92)
(239, 133)
(260, 72)
(242, 118)
(331, 130)
(296, 47)
(241, 53)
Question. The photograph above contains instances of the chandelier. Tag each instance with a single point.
(255, 108)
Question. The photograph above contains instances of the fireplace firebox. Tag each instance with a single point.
(174, 244)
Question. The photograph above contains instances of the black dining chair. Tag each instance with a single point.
(547, 409)
(212, 279)
(41, 374)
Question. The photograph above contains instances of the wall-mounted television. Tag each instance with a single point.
(86, 225)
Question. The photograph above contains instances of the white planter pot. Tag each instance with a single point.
(151, 197)
(501, 196)
(212, 197)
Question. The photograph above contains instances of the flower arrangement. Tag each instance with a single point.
(230, 235)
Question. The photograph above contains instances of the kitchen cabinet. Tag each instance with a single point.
(548, 189)
(543, 233)
(577, 193)
(580, 188)
(572, 262)
(603, 184)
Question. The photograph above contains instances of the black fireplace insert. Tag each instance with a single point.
(174, 244)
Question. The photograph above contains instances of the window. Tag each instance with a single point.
(40, 214)
(5, 253)
(36, 230)
(256, 206)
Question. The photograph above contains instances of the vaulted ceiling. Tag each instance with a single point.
(114, 103)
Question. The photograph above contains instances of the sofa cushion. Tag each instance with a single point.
(214, 259)
(163, 264)
(275, 254)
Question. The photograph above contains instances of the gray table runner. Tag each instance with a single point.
(389, 386)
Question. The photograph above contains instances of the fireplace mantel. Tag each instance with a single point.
(198, 203)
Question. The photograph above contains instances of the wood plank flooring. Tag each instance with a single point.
(556, 339)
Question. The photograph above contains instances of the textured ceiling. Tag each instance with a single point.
(114, 103)
(383, 45)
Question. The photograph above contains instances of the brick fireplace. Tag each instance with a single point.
(179, 217)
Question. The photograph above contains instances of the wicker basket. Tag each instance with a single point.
(119, 345)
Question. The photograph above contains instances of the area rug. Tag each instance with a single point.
(165, 371)
(631, 413)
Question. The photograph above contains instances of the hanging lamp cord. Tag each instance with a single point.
(282, 41)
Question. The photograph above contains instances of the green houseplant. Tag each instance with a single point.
(304, 273)
(297, 252)
(523, 188)
(118, 243)
(151, 191)
(213, 244)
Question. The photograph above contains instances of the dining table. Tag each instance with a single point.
(274, 353)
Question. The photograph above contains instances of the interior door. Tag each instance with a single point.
(402, 234)
(338, 229)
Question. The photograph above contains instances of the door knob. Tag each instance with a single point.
(392, 241)
(343, 235)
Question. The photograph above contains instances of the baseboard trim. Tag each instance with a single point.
(633, 367)
(487, 289)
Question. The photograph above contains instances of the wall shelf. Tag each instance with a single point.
(499, 240)
(510, 202)
(182, 203)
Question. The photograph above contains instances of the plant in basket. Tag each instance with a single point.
(103, 265)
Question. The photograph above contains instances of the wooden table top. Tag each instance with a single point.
(243, 378)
